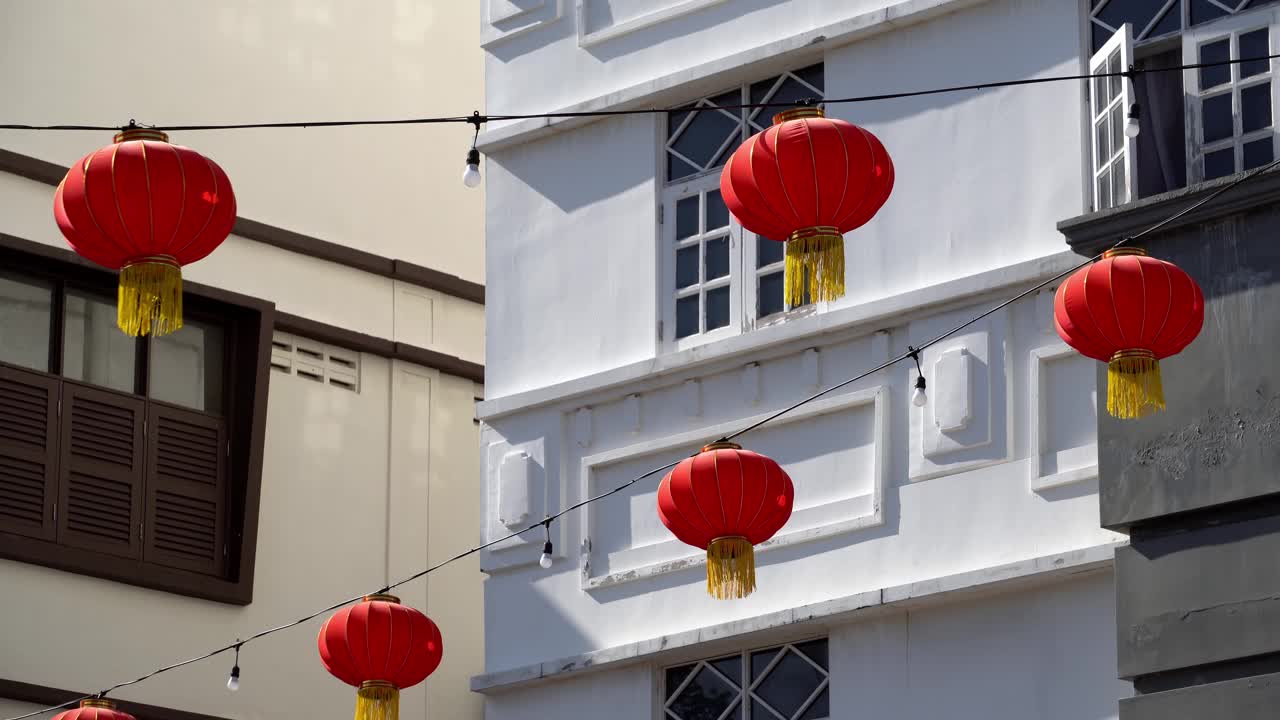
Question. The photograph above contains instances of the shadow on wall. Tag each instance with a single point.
(599, 16)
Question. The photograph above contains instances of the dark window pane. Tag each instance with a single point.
(717, 211)
(1258, 153)
(1102, 136)
(687, 316)
(186, 367)
(790, 93)
(814, 75)
(675, 118)
(26, 308)
(1118, 183)
(789, 684)
(769, 294)
(1100, 36)
(1103, 196)
(1219, 163)
(760, 660)
(769, 251)
(702, 137)
(1254, 44)
(1117, 127)
(1255, 107)
(1202, 11)
(705, 698)
(676, 676)
(1099, 94)
(730, 667)
(1113, 67)
(94, 350)
(677, 168)
(717, 308)
(1138, 12)
(815, 650)
(687, 217)
(821, 707)
(1217, 51)
(717, 258)
(761, 89)
(760, 712)
(1170, 22)
(687, 266)
(729, 99)
(1216, 118)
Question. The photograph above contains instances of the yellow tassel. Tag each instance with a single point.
(731, 568)
(150, 299)
(815, 258)
(1134, 388)
(377, 700)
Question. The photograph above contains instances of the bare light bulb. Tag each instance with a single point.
(471, 175)
(233, 680)
(546, 559)
(919, 398)
(1131, 127)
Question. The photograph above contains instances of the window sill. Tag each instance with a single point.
(1091, 233)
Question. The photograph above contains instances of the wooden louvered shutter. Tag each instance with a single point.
(186, 490)
(101, 471)
(28, 452)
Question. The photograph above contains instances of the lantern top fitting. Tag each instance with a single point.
(1117, 252)
(381, 597)
(808, 111)
(105, 703)
(134, 132)
(721, 445)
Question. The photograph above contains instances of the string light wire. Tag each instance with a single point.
(912, 352)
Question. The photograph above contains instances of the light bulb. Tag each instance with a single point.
(919, 398)
(233, 680)
(1131, 127)
(471, 176)
(546, 559)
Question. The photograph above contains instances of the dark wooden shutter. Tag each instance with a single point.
(28, 452)
(186, 490)
(101, 471)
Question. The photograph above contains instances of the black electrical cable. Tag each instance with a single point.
(477, 119)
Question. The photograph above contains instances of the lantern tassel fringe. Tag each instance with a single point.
(1134, 388)
(150, 299)
(378, 702)
(815, 262)
(731, 568)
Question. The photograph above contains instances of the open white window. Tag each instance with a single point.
(702, 242)
(1230, 109)
(1114, 153)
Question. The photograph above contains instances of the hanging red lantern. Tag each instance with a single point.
(380, 647)
(1129, 311)
(94, 709)
(145, 207)
(726, 500)
(807, 181)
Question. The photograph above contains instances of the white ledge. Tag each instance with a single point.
(778, 55)
(781, 626)
(868, 316)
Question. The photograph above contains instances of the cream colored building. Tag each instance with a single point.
(321, 397)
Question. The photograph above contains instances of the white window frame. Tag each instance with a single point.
(746, 693)
(1228, 28)
(1116, 55)
(699, 186)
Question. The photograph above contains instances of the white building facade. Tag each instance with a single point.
(943, 560)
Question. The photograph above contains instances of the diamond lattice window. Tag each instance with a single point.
(789, 682)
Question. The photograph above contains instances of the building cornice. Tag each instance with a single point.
(49, 173)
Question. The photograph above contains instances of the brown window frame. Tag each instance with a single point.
(248, 324)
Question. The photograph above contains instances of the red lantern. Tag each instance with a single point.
(380, 647)
(94, 709)
(1129, 311)
(806, 181)
(726, 500)
(146, 208)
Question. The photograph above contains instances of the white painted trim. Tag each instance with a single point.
(801, 622)
(491, 36)
(779, 55)
(626, 27)
(775, 340)
(876, 396)
(1037, 397)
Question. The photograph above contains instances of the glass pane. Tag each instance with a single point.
(814, 75)
(677, 168)
(1202, 11)
(1103, 196)
(821, 707)
(1099, 94)
(1254, 44)
(1138, 12)
(1219, 163)
(675, 119)
(789, 684)
(1258, 153)
(1216, 118)
(94, 350)
(760, 712)
(186, 367)
(790, 93)
(1170, 22)
(717, 258)
(687, 217)
(728, 99)
(717, 308)
(687, 266)
(760, 660)
(1102, 136)
(1100, 36)
(730, 667)
(769, 294)
(760, 90)
(1117, 128)
(769, 251)
(704, 135)
(1118, 184)
(1113, 66)
(676, 676)
(815, 650)
(687, 316)
(717, 211)
(26, 309)
(1218, 51)
(1255, 107)
(705, 698)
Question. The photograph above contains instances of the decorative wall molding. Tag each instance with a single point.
(1041, 479)
(509, 19)
(820, 521)
(589, 38)
(515, 482)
